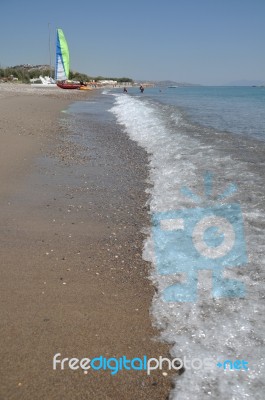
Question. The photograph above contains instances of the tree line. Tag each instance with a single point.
(25, 74)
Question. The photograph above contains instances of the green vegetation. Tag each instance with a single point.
(78, 76)
(83, 77)
(102, 78)
(24, 73)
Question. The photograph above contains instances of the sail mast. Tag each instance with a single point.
(50, 59)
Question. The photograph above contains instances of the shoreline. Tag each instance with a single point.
(73, 280)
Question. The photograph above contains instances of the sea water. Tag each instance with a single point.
(206, 152)
(206, 149)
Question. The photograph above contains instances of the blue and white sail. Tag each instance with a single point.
(62, 57)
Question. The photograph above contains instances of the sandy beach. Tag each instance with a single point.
(72, 277)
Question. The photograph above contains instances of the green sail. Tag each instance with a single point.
(62, 57)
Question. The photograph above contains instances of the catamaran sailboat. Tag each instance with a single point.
(62, 66)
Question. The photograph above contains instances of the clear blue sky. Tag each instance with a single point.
(196, 41)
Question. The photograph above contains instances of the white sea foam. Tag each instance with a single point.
(218, 329)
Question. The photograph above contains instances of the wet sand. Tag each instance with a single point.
(72, 277)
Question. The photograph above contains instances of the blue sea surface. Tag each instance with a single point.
(239, 110)
(206, 148)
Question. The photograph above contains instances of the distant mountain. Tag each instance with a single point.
(246, 82)
(30, 67)
(173, 83)
(167, 83)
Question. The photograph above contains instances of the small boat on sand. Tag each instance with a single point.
(85, 87)
(44, 82)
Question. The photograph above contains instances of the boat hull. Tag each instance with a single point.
(68, 85)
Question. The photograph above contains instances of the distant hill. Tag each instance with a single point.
(173, 83)
(29, 67)
(167, 83)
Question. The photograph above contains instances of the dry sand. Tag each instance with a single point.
(72, 277)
